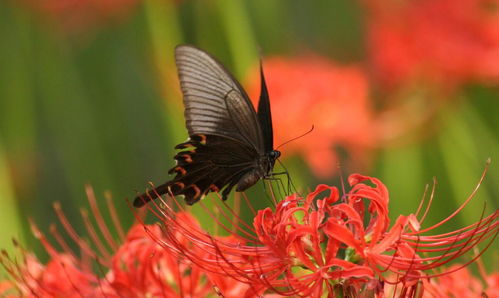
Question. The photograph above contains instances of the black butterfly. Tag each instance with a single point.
(229, 143)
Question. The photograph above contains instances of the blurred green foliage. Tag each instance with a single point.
(98, 107)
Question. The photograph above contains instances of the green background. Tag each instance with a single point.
(95, 106)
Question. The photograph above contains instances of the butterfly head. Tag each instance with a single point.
(272, 156)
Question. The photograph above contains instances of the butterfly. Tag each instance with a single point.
(230, 144)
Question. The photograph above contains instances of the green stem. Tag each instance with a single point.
(240, 36)
(165, 35)
(10, 221)
(462, 160)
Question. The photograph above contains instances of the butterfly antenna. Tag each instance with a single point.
(296, 138)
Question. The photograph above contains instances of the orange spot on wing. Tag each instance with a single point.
(203, 139)
(187, 158)
(180, 184)
(196, 189)
(180, 170)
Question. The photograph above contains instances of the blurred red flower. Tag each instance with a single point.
(80, 14)
(142, 268)
(138, 267)
(61, 275)
(441, 41)
(462, 283)
(315, 91)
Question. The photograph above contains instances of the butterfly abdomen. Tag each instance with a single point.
(249, 179)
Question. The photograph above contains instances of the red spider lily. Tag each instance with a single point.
(320, 87)
(138, 267)
(309, 246)
(305, 246)
(443, 41)
(61, 275)
(460, 283)
(141, 267)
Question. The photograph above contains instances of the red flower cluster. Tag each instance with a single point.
(320, 244)
(443, 41)
(324, 244)
(138, 267)
(337, 104)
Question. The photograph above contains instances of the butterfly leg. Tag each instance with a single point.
(290, 186)
(290, 181)
(280, 184)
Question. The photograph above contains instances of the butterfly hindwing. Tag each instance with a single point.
(210, 163)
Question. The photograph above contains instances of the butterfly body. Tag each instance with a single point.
(230, 144)
(261, 169)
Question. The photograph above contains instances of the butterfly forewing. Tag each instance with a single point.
(214, 101)
(265, 115)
